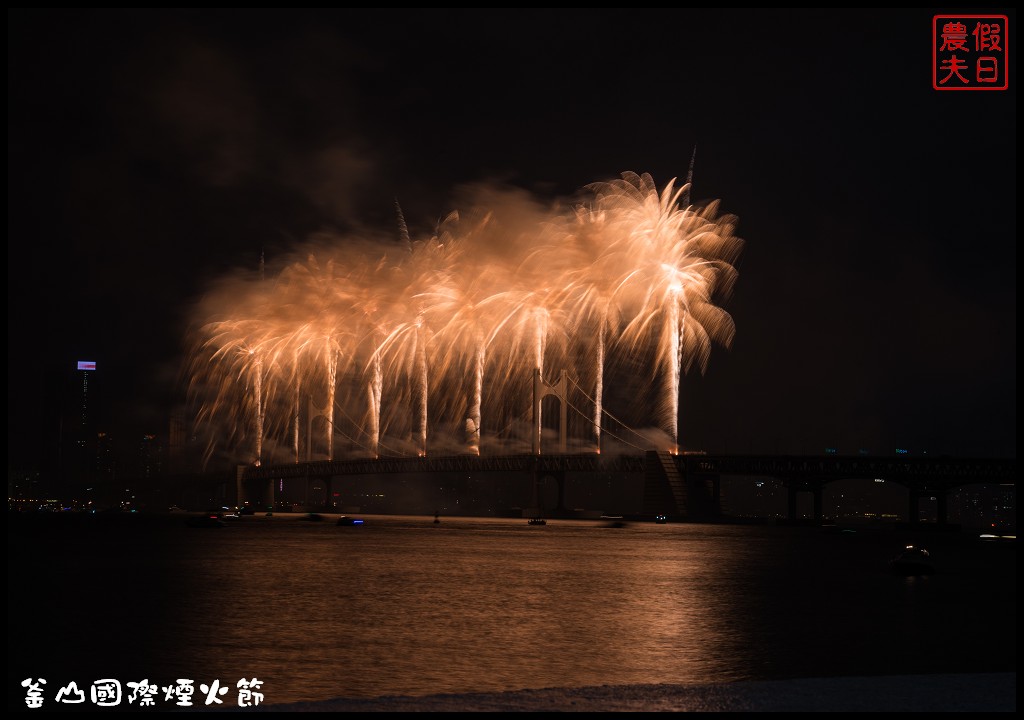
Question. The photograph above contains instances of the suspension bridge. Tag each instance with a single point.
(682, 486)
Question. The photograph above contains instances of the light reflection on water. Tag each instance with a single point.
(403, 606)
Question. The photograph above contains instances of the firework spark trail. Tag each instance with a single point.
(478, 391)
(375, 387)
(421, 374)
(599, 384)
(260, 407)
(403, 229)
(298, 404)
(436, 334)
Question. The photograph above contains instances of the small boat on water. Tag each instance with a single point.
(537, 521)
(346, 520)
(913, 561)
(661, 519)
(208, 520)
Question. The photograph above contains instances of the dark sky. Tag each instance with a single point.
(150, 152)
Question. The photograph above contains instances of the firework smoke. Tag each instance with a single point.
(431, 342)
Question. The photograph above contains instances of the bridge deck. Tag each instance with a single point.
(958, 471)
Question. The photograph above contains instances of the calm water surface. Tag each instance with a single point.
(403, 606)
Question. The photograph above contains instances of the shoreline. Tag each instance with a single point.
(962, 692)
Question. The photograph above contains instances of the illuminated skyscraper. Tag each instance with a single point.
(85, 433)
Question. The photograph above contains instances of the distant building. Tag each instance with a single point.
(150, 457)
(184, 453)
(105, 466)
(85, 459)
(176, 439)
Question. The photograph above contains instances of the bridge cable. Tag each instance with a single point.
(606, 412)
(609, 432)
(364, 447)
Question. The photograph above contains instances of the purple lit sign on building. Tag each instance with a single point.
(86, 365)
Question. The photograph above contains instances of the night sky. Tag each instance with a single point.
(151, 152)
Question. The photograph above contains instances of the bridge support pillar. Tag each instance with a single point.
(794, 488)
(560, 479)
(941, 504)
(268, 497)
(538, 485)
(240, 495)
(537, 478)
(941, 507)
(913, 506)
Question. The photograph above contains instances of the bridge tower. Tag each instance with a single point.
(541, 389)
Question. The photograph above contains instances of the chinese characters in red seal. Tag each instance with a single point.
(969, 52)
